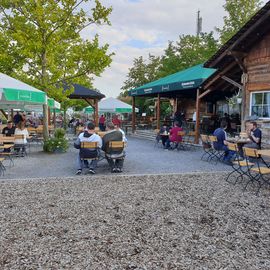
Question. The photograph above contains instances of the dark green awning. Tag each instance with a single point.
(186, 79)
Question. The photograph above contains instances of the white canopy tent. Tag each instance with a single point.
(111, 105)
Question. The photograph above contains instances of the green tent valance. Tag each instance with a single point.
(187, 79)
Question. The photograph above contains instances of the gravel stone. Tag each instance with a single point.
(172, 221)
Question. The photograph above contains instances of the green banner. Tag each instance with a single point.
(24, 95)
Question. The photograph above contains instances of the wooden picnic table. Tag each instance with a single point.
(6, 146)
(238, 140)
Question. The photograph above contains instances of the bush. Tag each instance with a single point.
(58, 143)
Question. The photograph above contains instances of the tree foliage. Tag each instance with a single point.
(41, 43)
(188, 51)
(238, 13)
(142, 72)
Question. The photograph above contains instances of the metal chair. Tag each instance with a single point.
(257, 173)
(240, 167)
(207, 148)
(217, 154)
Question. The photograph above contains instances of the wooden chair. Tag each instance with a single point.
(240, 167)
(182, 144)
(116, 150)
(189, 139)
(217, 154)
(207, 148)
(93, 147)
(257, 173)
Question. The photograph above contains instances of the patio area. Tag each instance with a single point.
(141, 158)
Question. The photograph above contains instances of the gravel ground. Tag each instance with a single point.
(185, 221)
(142, 158)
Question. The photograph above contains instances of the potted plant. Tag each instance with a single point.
(58, 143)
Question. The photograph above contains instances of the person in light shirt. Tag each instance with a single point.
(19, 144)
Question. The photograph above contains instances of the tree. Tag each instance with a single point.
(238, 13)
(141, 73)
(188, 51)
(42, 43)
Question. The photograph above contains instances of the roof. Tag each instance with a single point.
(81, 92)
(186, 79)
(244, 39)
(112, 105)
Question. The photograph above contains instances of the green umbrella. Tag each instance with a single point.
(14, 93)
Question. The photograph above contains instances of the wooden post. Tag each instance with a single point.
(158, 112)
(244, 102)
(45, 122)
(11, 114)
(6, 116)
(54, 118)
(96, 112)
(197, 127)
(133, 114)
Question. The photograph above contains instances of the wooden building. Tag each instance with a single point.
(244, 63)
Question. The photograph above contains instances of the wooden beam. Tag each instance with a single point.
(221, 73)
(90, 102)
(205, 93)
(238, 56)
(240, 86)
(197, 126)
(158, 112)
(240, 38)
(3, 112)
(133, 114)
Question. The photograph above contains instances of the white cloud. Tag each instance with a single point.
(149, 24)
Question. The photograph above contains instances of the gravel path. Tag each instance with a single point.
(188, 221)
(142, 158)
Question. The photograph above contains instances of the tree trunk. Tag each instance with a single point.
(45, 122)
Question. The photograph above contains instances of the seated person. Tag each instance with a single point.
(123, 133)
(163, 130)
(174, 137)
(116, 164)
(255, 135)
(9, 130)
(88, 135)
(221, 144)
(19, 144)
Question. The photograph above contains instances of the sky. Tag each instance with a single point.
(140, 27)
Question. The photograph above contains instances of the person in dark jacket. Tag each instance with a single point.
(113, 134)
(88, 135)
(221, 144)
(9, 130)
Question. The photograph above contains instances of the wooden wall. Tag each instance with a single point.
(257, 63)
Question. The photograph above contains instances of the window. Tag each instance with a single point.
(260, 104)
